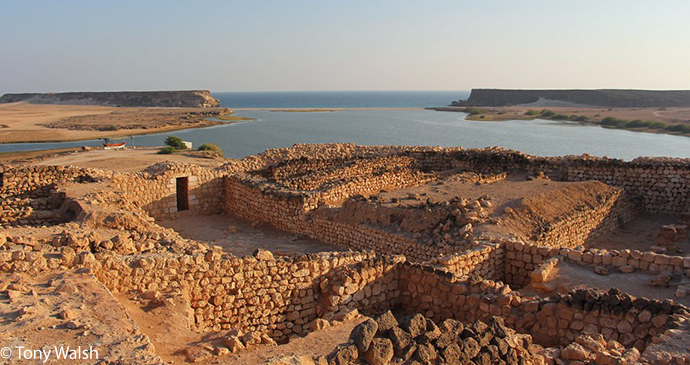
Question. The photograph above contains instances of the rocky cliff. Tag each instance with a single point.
(600, 98)
(187, 99)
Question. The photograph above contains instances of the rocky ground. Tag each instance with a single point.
(68, 310)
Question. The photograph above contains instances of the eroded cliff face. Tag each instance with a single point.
(186, 98)
(600, 98)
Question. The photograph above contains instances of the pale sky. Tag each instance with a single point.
(260, 45)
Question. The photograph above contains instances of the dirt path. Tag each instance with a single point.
(675, 111)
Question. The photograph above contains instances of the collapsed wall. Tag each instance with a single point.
(283, 296)
(553, 321)
(286, 191)
(523, 259)
(29, 196)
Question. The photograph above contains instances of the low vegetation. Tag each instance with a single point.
(175, 142)
(167, 150)
(550, 114)
(110, 128)
(612, 122)
(233, 118)
(211, 149)
(618, 123)
(473, 111)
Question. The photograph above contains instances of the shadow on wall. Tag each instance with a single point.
(38, 206)
(183, 193)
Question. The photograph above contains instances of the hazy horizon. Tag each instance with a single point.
(273, 46)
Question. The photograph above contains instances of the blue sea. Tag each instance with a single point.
(339, 99)
(272, 129)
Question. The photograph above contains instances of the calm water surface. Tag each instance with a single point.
(416, 127)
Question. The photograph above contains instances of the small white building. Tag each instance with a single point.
(188, 144)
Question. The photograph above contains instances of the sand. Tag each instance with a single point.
(238, 237)
(124, 160)
(24, 122)
(638, 234)
(167, 327)
(667, 115)
(567, 276)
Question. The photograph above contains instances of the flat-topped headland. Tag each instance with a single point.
(639, 110)
(182, 99)
(610, 98)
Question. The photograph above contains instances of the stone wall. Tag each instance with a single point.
(30, 196)
(256, 201)
(276, 296)
(580, 226)
(552, 321)
(155, 190)
(663, 184)
(487, 261)
(522, 259)
(369, 286)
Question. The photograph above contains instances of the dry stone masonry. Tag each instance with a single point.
(437, 278)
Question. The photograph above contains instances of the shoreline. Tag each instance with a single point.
(58, 135)
(120, 135)
(324, 109)
(573, 115)
(48, 123)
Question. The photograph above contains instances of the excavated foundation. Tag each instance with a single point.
(438, 233)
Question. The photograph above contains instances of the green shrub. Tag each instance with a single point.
(682, 128)
(175, 142)
(111, 128)
(210, 147)
(532, 112)
(546, 113)
(581, 118)
(657, 125)
(473, 111)
(614, 122)
(560, 117)
(637, 123)
(167, 150)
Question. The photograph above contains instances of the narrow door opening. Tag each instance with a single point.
(182, 193)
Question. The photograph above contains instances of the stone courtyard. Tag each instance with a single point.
(346, 254)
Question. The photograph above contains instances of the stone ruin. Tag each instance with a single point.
(440, 276)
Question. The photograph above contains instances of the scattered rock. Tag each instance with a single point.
(380, 352)
(363, 334)
(601, 270)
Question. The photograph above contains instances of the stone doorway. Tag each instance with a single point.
(182, 186)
